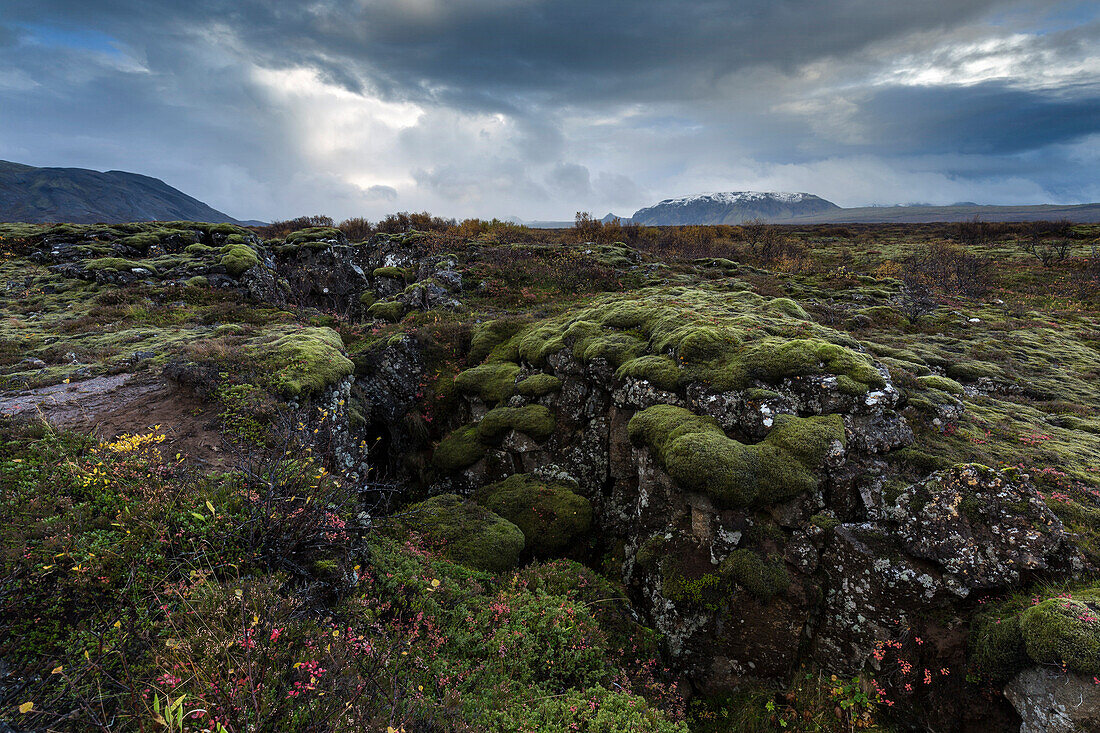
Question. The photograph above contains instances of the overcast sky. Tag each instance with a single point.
(269, 109)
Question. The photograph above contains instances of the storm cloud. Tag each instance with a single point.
(540, 108)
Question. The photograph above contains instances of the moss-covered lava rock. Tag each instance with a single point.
(468, 532)
(551, 516)
(699, 455)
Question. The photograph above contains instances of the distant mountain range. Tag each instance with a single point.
(81, 196)
(804, 208)
(732, 208)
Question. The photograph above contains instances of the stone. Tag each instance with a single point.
(1052, 701)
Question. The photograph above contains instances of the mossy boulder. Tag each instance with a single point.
(469, 533)
(316, 236)
(387, 310)
(492, 334)
(493, 383)
(535, 421)
(238, 258)
(305, 361)
(1058, 628)
(459, 449)
(698, 455)
(944, 384)
(1064, 631)
(394, 272)
(551, 516)
(116, 264)
(538, 385)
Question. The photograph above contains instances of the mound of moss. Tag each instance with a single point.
(551, 516)
(305, 361)
(533, 420)
(698, 455)
(315, 235)
(459, 449)
(470, 533)
(538, 385)
(238, 258)
(1061, 629)
(115, 264)
(395, 272)
(676, 335)
(387, 310)
(492, 334)
(466, 445)
(493, 383)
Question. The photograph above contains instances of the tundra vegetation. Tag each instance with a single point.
(388, 534)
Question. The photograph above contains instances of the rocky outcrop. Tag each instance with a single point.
(751, 520)
(1053, 701)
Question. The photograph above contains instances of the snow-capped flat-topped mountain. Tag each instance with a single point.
(731, 207)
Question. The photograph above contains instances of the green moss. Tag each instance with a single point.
(763, 578)
(535, 421)
(660, 371)
(314, 235)
(971, 371)
(459, 449)
(790, 308)
(651, 550)
(470, 534)
(238, 258)
(395, 272)
(198, 282)
(367, 298)
(489, 336)
(698, 455)
(306, 361)
(597, 343)
(1065, 631)
(387, 310)
(773, 360)
(824, 521)
(681, 587)
(198, 249)
(116, 264)
(493, 382)
(551, 516)
(944, 384)
(997, 646)
(538, 385)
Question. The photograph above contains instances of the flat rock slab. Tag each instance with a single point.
(125, 403)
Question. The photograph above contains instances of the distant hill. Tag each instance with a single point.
(732, 208)
(82, 196)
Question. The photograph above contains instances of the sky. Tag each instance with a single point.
(270, 109)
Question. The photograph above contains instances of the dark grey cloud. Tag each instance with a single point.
(273, 108)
